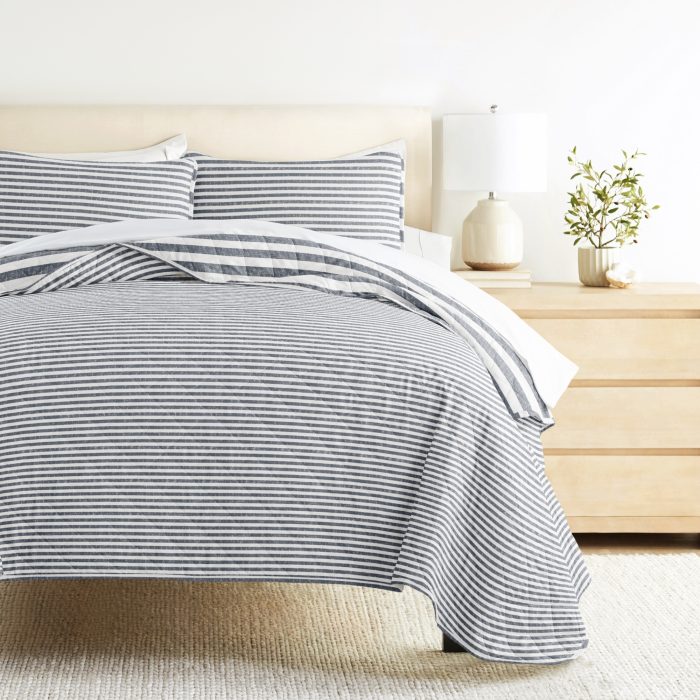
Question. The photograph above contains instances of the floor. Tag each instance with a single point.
(150, 639)
(630, 543)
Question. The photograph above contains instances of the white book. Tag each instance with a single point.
(517, 274)
(497, 279)
(505, 284)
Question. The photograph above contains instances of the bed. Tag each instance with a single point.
(237, 399)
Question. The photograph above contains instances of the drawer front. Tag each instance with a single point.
(627, 349)
(624, 418)
(626, 486)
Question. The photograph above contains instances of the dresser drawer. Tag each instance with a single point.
(624, 455)
(630, 418)
(626, 486)
(630, 350)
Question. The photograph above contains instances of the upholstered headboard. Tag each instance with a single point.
(266, 133)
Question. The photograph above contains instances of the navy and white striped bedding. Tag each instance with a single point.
(359, 196)
(244, 405)
(43, 194)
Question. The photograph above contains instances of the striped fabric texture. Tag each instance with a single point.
(278, 257)
(311, 417)
(359, 197)
(41, 195)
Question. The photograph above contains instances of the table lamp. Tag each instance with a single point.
(494, 153)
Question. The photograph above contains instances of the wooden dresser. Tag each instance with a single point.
(624, 455)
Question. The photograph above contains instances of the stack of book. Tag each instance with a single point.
(497, 279)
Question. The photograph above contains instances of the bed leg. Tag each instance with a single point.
(450, 646)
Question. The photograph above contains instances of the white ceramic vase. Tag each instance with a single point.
(593, 263)
(492, 236)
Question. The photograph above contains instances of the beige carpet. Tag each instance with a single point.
(158, 639)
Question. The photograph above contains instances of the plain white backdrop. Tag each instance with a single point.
(609, 74)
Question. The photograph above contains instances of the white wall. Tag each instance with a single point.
(609, 73)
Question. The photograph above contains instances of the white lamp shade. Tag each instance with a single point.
(494, 152)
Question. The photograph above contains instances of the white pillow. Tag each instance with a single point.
(398, 146)
(170, 149)
(435, 247)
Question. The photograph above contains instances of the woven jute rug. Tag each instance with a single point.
(168, 639)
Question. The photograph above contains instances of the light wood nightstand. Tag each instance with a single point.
(624, 455)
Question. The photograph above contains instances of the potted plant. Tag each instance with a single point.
(605, 211)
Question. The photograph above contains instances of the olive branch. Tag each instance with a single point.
(607, 206)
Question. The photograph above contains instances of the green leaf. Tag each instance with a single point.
(600, 195)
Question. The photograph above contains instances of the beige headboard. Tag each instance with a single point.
(266, 133)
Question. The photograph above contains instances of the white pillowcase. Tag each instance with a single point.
(398, 146)
(435, 247)
(170, 149)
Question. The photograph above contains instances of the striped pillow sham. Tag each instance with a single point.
(357, 196)
(42, 195)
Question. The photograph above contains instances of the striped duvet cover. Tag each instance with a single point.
(257, 402)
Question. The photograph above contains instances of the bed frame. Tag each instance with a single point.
(264, 133)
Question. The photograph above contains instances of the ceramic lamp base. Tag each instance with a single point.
(492, 236)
